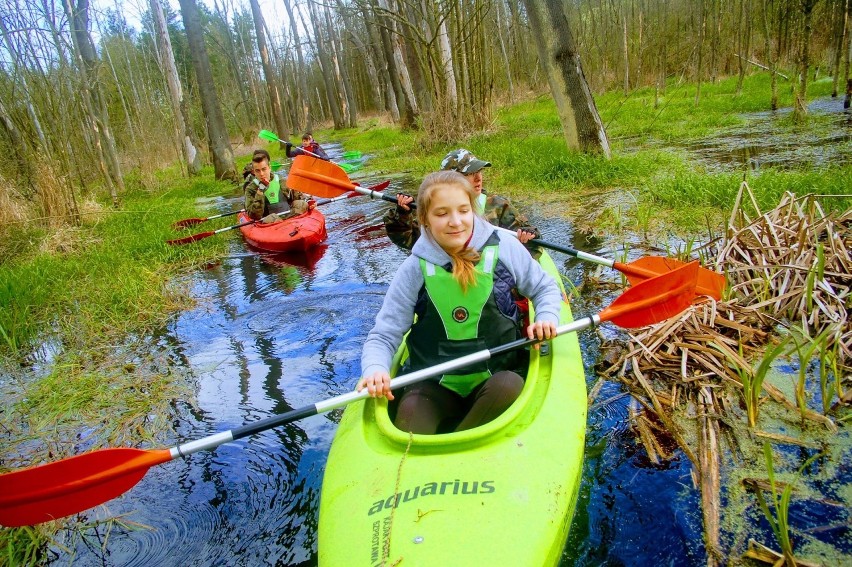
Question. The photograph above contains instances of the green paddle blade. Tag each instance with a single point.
(351, 154)
(268, 136)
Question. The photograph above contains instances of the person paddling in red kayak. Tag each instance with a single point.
(457, 285)
(403, 228)
(267, 199)
(309, 148)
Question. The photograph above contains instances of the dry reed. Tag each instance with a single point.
(789, 267)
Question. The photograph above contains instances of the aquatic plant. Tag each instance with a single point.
(805, 347)
(779, 520)
(828, 356)
(752, 378)
(23, 546)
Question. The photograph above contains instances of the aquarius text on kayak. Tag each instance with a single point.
(453, 487)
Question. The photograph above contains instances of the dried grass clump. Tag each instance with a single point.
(12, 207)
(793, 263)
(787, 267)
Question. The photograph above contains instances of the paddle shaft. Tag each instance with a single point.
(570, 251)
(65, 487)
(224, 214)
(307, 152)
(709, 282)
(642, 305)
(213, 441)
(145, 459)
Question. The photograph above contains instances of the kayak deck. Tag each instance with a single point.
(295, 234)
(500, 494)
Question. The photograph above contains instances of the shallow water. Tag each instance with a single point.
(760, 144)
(271, 333)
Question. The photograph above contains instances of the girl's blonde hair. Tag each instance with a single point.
(465, 260)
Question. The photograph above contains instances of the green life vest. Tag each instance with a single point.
(273, 191)
(470, 321)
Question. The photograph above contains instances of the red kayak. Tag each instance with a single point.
(295, 234)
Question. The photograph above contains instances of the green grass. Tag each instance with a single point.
(108, 277)
(531, 162)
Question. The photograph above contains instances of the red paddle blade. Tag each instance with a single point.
(709, 282)
(655, 299)
(379, 187)
(47, 492)
(187, 222)
(318, 177)
(191, 238)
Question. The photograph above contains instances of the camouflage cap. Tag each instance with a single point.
(463, 161)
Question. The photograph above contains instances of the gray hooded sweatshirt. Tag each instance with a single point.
(397, 313)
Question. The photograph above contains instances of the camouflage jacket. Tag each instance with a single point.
(257, 206)
(403, 228)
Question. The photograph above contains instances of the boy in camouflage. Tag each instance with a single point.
(404, 230)
(285, 202)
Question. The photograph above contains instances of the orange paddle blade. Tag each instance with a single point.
(709, 282)
(655, 299)
(318, 177)
(50, 491)
(188, 222)
(191, 238)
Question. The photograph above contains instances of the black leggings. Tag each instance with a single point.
(425, 406)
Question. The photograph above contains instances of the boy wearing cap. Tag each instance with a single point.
(402, 226)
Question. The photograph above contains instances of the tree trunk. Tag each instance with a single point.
(699, 71)
(504, 54)
(191, 157)
(581, 123)
(625, 51)
(269, 74)
(250, 116)
(373, 82)
(847, 57)
(305, 121)
(407, 115)
(16, 56)
(23, 158)
(842, 33)
(331, 93)
(93, 97)
(384, 81)
(400, 67)
(800, 108)
(770, 56)
(217, 131)
(349, 106)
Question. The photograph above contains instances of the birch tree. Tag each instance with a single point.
(87, 60)
(560, 60)
(167, 63)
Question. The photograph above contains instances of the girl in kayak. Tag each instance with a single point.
(457, 282)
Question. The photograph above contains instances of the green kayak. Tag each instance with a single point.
(500, 494)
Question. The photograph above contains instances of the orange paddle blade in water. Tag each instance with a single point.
(51, 491)
(655, 299)
(709, 282)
